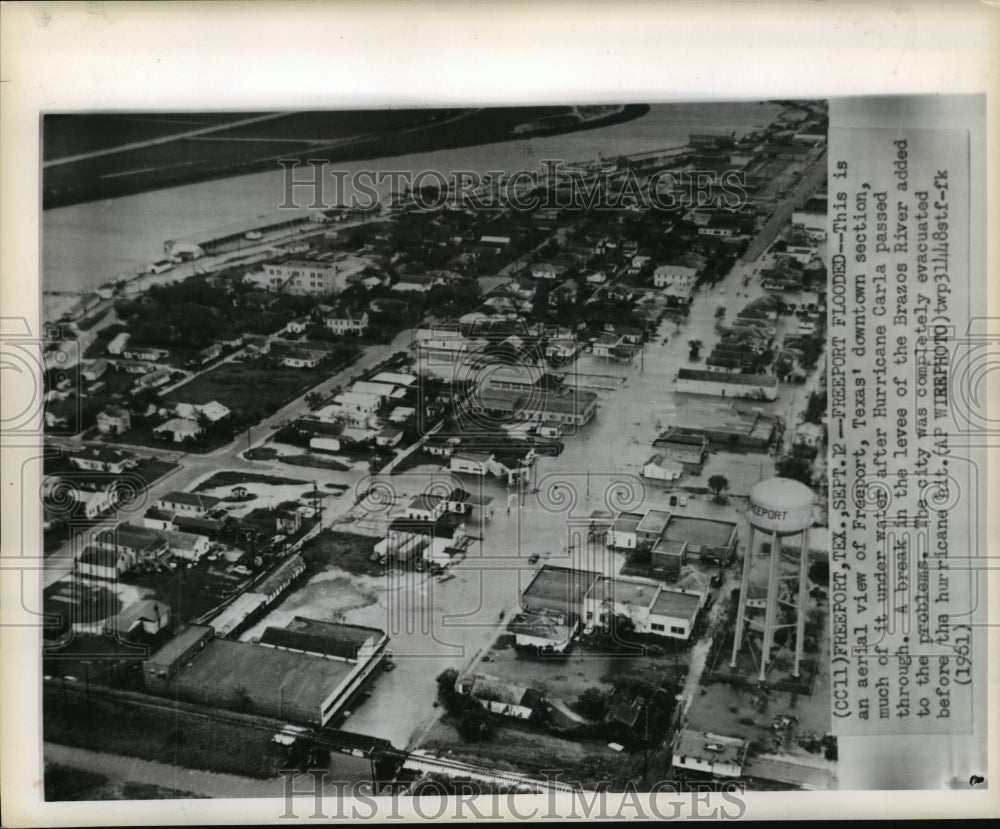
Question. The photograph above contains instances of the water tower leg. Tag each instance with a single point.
(742, 599)
(771, 607)
(800, 610)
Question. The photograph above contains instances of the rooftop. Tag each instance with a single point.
(559, 584)
(269, 677)
(627, 522)
(180, 643)
(325, 638)
(711, 748)
(676, 604)
(654, 521)
(194, 499)
(638, 592)
(765, 380)
(699, 531)
(286, 570)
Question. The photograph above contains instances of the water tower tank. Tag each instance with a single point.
(780, 505)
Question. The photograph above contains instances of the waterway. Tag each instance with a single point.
(85, 245)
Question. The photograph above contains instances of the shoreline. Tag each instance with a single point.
(371, 149)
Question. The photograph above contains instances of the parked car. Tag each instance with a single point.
(533, 558)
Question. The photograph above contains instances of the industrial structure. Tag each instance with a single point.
(781, 508)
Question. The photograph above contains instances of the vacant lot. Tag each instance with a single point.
(230, 477)
(189, 592)
(345, 551)
(256, 388)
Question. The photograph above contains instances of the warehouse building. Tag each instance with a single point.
(309, 683)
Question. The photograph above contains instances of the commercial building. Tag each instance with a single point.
(303, 277)
(722, 426)
(304, 674)
(682, 446)
(650, 606)
(713, 754)
(728, 384)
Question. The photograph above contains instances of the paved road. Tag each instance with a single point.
(814, 175)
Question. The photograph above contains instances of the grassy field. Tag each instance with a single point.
(345, 551)
(229, 477)
(248, 388)
(172, 737)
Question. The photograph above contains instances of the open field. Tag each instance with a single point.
(343, 551)
(252, 387)
(100, 724)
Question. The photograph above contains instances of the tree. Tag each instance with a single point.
(592, 704)
(694, 347)
(798, 469)
(819, 572)
(816, 407)
(474, 723)
(718, 484)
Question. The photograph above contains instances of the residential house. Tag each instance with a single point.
(188, 503)
(103, 563)
(148, 616)
(113, 420)
(188, 546)
(144, 353)
(565, 293)
(94, 371)
(152, 381)
(347, 322)
(660, 468)
(547, 270)
(102, 459)
(421, 283)
(288, 521)
(209, 353)
(212, 411)
(297, 358)
(298, 325)
(389, 437)
(503, 698)
(117, 345)
(178, 429)
(560, 350)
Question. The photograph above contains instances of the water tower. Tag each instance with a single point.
(781, 508)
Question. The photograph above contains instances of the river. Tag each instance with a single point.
(85, 245)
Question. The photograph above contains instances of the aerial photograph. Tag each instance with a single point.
(411, 449)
